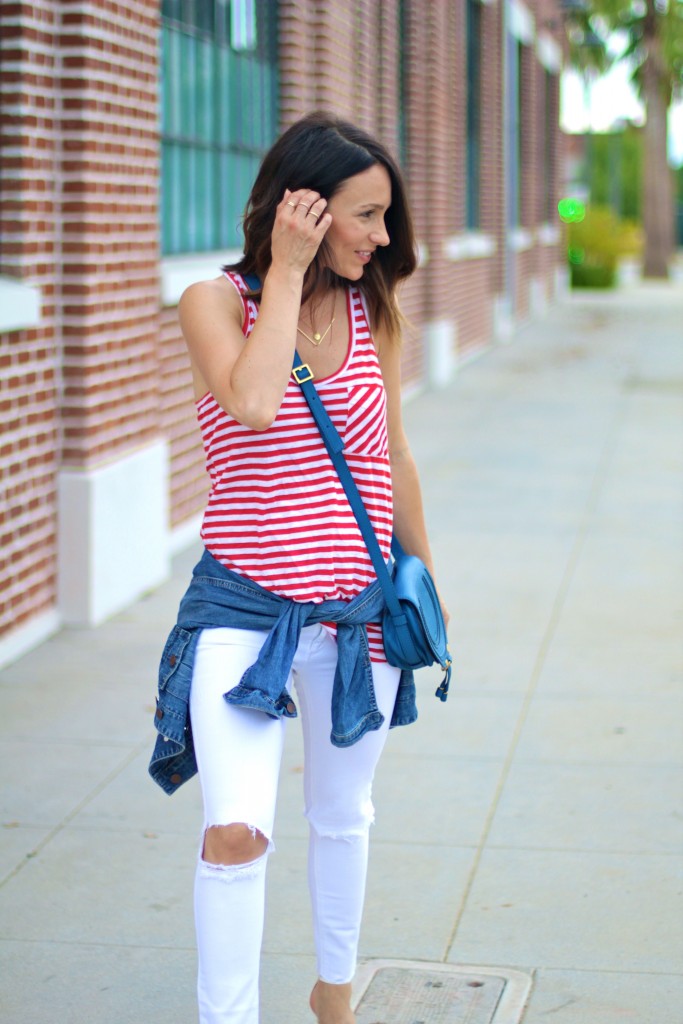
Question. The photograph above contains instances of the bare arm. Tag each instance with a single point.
(248, 377)
(409, 521)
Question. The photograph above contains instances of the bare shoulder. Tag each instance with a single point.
(211, 314)
(218, 295)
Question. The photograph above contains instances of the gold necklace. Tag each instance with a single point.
(317, 337)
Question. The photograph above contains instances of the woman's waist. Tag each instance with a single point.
(318, 573)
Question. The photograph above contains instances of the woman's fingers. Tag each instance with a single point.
(304, 203)
(300, 224)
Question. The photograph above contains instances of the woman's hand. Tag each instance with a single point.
(444, 610)
(299, 227)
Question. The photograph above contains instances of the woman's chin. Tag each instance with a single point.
(347, 273)
(354, 274)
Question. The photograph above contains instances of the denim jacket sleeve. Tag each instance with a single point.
(173, 760)
(217, 597)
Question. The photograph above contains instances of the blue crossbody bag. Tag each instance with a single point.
(413, 627)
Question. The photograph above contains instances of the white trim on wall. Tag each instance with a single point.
(520, 22)
(549, 53)
(520, 239)
(469, 245)
(548, 234)
(19, 305)
(179, 272)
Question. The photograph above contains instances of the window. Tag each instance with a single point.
(473, 117)
(219, 116)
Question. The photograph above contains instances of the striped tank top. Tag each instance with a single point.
(277, 512)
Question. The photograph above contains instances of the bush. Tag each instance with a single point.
(592, 276)
(596, 244)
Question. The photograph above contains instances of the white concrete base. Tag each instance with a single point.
(629, 272)
(503, 320)
(538, 300)
(181, 537)
(24, 638)
(113, 534)
(562, 286)
(440, 339)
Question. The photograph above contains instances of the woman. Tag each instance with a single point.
(285, 592)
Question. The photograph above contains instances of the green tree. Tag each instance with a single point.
(654, 33)
(614, 171)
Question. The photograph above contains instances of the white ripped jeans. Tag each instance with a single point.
(238, 754)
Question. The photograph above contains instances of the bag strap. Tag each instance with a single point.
(303, 375)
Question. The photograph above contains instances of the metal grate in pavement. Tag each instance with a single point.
(412, 992)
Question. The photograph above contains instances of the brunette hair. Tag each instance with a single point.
(320, 152)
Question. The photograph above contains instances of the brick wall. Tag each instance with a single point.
(107, 371)
(79, 166)
(109, 171)
(29, 424)
(492, 143)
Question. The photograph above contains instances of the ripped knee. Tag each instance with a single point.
(234, 844)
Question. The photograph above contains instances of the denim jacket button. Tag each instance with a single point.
(159, 713)
(172, 660)
(291, 708)
(176, 779)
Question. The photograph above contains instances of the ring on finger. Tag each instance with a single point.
(304, 206)
(293, 205)
(314, 214)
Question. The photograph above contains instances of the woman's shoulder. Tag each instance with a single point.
(217, 292)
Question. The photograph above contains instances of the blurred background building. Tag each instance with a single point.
(130, 133)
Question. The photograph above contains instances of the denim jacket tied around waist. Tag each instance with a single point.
(218, 597)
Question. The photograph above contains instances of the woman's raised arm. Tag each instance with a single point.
(248, 377)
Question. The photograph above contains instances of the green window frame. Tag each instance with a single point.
(473, 114)
(219, 115)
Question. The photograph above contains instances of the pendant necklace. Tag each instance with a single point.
(317, 337)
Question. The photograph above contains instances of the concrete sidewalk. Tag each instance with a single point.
(533, 822)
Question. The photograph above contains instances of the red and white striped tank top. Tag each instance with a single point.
(277, 512)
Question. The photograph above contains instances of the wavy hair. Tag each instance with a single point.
(320, 152)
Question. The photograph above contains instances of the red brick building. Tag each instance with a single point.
(129, 134)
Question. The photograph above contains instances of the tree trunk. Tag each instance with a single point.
(658, 207)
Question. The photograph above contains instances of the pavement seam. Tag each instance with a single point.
(99, 788)
(597, 483)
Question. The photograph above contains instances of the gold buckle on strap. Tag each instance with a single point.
(302, 373)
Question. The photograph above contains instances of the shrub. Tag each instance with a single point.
(596, 244)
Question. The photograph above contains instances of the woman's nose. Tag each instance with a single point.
(380, 236)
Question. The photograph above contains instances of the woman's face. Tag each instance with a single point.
(357, 227)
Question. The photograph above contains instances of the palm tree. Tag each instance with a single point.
(654, 33)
